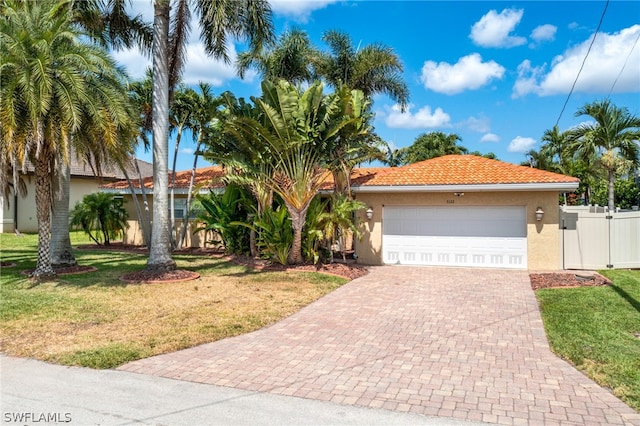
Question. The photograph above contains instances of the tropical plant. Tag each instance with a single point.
(218, 19)
(54, 83)
(339, 224)
(275, 234)
(613, 137)
(432, 145)
(394, 157)
(373, 69)
(182, 108)
(101, 213)
(355, 142)
(290, 134)
(290, 59)
(313, 236)
(223, 214)
(626, 192)
(203, 123)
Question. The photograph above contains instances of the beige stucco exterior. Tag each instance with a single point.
(26, 206)
(542, 237)
(133, 234)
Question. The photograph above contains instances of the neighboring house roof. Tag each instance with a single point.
(79, 168)
(447, 173)
(464, 172)
(206, 178)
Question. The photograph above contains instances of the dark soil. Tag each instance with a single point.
(350, 271)
(7, 264)
(143, 276)
(567, 279)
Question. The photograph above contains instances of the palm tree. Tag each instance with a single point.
(53, 83)
(107, 23)
(614, 137)
(219, 19)
(242, 159)
(100, 212)
(290, 59)
(181, 112)
(372, 69)
(203, 121)
(290, 135)
(432, 145)
(355, 143)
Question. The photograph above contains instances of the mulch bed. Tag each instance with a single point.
(350, 271)
(140, 277)
(567, 280)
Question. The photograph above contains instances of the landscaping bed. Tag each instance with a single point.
(567, 279)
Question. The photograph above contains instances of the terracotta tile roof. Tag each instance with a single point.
(447, 170)
(359, 176)
(207, 176)
(463, 170)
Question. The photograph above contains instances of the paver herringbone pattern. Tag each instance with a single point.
(460, 343)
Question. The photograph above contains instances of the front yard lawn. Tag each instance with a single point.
(95, 320)
(598, 330)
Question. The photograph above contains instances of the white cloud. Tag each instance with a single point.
(300, 10)
(480, 125)
(546, 32)
(422, 119)
(490, 137)
(188, 151)
(469, 73)
(493, 29)
(604, 63)
(520, 144)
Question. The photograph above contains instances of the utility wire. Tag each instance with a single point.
(583, 62)
(624, 65)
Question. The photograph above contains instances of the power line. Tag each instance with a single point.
(624, 65)
(583, 62)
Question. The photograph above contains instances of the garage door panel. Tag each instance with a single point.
(455, 236)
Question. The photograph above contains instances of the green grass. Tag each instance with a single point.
(95, 320)
(595, 329)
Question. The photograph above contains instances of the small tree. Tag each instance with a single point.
(101, 213)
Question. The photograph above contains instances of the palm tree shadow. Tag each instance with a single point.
(626, 296)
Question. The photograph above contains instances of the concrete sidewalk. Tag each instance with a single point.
(79, 396)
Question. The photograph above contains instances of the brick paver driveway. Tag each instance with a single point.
(460, 343)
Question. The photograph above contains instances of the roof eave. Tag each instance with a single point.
(546, 186)
(177, 191)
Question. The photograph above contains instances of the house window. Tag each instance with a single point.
(180, 207)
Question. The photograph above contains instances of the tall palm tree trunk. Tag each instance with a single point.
(160, 250)
(174, 243)
(187, 212)
(612, 179)
(61, 251)
(44, 269)
(297, 222)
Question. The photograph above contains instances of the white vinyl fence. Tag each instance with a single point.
(591, 238)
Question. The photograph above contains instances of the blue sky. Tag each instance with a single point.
(495, 73)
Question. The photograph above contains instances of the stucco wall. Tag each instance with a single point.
(133, 234)
(27, 220)
(542, 237)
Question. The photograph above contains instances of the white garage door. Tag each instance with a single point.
(487, 237)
